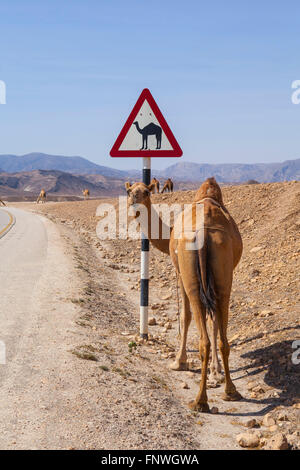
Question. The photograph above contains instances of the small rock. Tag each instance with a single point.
(252, 423)
(256, 249)
(251, 385)
(214, 410)
(248, 440)
(277, 442)
(282, 417)
(152, 321)
(266, 313)
(184, 385)
(166, 296)
(268, 421)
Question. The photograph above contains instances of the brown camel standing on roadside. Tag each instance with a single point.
(206, 273)
(217, 233)
(155, 185)
(205, 276)
(42, 197)
(169, 185)
(86, 193)
(1, 202)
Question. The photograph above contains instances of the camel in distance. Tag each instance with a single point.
(154, 186)
(168, 186)
(86, 193)
(42, 197)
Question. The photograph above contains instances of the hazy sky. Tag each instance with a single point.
(221, 73)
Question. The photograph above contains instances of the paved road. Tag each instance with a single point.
(37, 380)
(5, 221)
(22, 253)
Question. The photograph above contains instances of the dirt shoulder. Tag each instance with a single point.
(130, 399)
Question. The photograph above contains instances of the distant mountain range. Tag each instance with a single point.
(181, 171)
(234, 172)
(42, 161)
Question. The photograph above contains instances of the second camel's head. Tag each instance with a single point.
(209, 188)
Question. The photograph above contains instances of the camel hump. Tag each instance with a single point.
(152, 127)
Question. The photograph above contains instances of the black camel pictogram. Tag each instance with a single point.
(150, 129)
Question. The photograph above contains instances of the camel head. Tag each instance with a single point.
(209, 188)
(138, 193)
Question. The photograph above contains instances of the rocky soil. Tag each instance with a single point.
(142, 403)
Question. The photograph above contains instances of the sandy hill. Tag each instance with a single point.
(26, 185)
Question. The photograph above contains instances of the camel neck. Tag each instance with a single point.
(156, 239)
(138, 127)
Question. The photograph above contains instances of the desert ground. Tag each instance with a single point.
(107, 394)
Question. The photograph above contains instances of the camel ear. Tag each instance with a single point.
(150, 187)
(128, 187)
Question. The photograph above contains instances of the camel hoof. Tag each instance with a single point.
(234, 396)
(196, 406)
(176, 365)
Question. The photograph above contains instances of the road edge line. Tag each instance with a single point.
(11, 223)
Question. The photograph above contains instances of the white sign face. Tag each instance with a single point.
(145, 133)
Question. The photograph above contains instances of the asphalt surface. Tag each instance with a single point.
(5, 221)
(22, 253)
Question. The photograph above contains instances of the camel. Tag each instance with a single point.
(86, 193)
(1, 202)
(205, 278)
(169, 185)
(155, 185)
(150, 129)
(42, 197)
(127, 185)
(139, 193)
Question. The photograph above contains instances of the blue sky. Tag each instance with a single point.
(221, 73)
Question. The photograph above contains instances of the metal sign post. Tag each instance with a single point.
(145, 134)
(144, 300)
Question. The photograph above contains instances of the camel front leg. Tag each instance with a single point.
(180, 362)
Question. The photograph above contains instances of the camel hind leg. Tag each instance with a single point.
(188, 260)
(200, 403)
(231, 393)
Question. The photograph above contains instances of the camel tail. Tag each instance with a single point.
(206, 279)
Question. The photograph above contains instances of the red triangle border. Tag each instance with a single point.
(175, 152)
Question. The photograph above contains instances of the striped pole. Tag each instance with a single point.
(145, 263)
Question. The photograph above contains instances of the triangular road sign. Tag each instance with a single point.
(146, 132)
